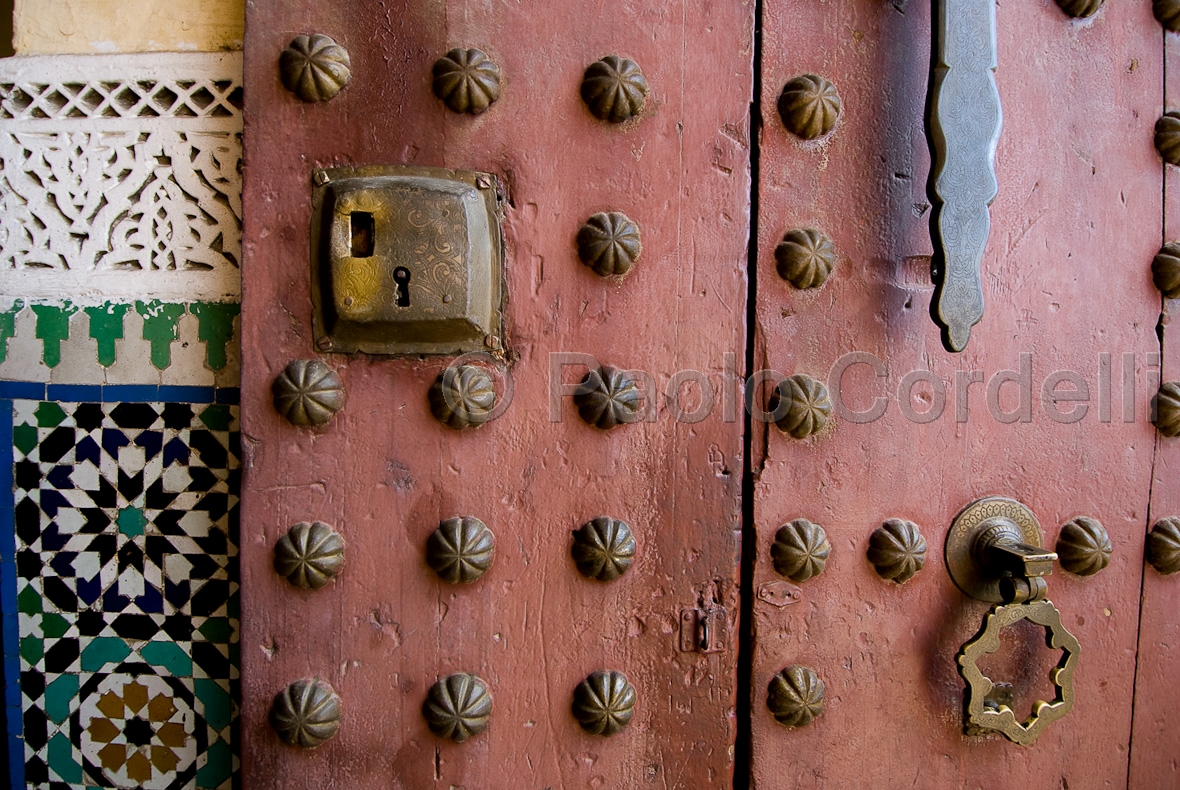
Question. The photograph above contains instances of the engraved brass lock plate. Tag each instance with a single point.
(405, 260)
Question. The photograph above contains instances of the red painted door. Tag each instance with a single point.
(383, 473)
(1048, 405)
(919, 433)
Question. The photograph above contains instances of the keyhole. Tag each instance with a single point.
(401, 275)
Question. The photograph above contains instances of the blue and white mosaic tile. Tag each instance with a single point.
(122, 530)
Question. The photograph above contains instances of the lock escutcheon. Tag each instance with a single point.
(406, 260)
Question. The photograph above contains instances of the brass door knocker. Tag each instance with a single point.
(994, 554)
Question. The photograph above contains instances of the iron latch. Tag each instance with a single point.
(704, 630)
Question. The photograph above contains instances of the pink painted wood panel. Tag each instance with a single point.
(1075, 224)
(1156, 730)
(385, 472)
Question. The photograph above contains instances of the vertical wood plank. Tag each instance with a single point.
(1155, 731)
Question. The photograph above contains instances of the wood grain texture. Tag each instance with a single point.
(1074, 227)
(384, 472)
(1156, 728)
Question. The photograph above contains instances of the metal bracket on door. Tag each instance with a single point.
(704, 630)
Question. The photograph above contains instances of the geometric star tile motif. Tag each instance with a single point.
(126, 520)
(137, 726)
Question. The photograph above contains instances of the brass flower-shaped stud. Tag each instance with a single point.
(314, 68)
(308, 392)
(809, 106)
(1167, 137)
(1083, 546)
(1167, 13)
(461, 549)
(466, 80)
(309, 555)
(1163, 545)
(608, 397)
(800, 550)
(795, 696)
(609, 243)
(604, 703)
(603, 548)
(614, 89)
(1080, 9)
(897, 550)
(1167, 408)
(462, 397)
(805, 258)
(800, 406)
(306, 713)
(1165, 270)
(457, 707)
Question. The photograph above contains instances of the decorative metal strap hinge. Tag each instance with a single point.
(704, 630)
(964, 123)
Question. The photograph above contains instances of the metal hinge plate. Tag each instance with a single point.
(704, 630)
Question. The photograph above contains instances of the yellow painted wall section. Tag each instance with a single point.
(94, 26)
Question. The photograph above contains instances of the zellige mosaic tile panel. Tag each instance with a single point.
(125, 518)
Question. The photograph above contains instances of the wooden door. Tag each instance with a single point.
(1048, 405)
(919, 433)
(383, 473)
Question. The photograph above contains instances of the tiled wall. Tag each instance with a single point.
(120, 217)
(119, 584)
(141, 342)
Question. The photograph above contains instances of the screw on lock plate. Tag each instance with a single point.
(994, 554)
